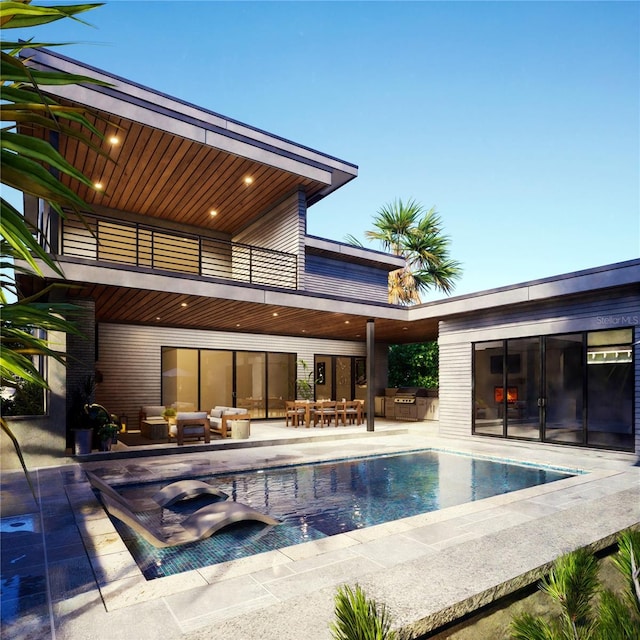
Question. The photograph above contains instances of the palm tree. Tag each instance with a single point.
(28, 165)
(416, 234)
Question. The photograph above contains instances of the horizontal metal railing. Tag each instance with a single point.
(110, 240)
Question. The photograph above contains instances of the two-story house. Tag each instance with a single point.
(200, 285)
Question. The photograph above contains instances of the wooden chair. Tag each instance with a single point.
(324, 412)
(191, 425)
(353, 412)
(294, 413)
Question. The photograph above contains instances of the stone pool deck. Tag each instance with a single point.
(67, 575)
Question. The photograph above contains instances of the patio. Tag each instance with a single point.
(66, 575)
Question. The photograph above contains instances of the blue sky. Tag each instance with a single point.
(519, 121)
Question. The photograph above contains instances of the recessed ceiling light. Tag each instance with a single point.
(213, 213)
(346, 322)
(275, 313)
(183, 304)
(114, 140)
(248, 180)
(98, 186)
(158, 318)
(405, 328)
(238, 324)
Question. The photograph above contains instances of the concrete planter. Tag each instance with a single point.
(240, 429)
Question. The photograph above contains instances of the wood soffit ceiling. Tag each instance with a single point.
(158, 174)
(160, 308)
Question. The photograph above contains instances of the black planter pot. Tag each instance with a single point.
(82, 441)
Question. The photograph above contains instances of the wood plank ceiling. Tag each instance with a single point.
(158, 174)
(161, 308)
(161, 175)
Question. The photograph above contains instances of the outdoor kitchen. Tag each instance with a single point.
(408, 404)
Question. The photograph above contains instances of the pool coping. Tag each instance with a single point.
(126, 586)
(429, 569)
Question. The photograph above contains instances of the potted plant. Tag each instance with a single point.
(103, 424)
(169, 415)
(304, 385)
(106, 433)
(79, 425)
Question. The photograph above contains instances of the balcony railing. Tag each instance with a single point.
(110, 240)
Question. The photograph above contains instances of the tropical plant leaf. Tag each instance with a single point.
(18, 234)
(16, 446)
(42, 151)
(19, 15)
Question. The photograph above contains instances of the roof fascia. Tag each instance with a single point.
(351, 253)
(619, 274)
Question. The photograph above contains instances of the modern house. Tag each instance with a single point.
(201, 286)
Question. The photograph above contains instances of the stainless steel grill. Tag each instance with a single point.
(406, 403)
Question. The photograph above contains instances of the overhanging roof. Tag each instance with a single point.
(176, 161)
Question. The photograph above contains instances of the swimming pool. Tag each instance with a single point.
(324, 499)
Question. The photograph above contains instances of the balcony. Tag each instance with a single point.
(110, 240)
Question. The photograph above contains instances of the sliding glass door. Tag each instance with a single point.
(521, 400)
(610, 389)
(200, 379)
(572, 389)
(564, 375)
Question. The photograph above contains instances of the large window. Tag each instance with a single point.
(572, 388)
(199, 379)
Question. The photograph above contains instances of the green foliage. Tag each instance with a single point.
(30, 164)
(415, 233)
(169, 412)
(358, 618)
(413, 365)
(304, 385)
(587, 611)
(101, 421)
(27, 399)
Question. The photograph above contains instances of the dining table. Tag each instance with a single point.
(342, 410)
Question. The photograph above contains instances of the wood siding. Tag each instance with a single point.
(598, 311)
(129, 358)
(338, 278)
(277, 229)
(280, 229)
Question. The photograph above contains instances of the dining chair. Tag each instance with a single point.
(324, 412)
(294, 413)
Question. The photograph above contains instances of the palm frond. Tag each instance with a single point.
(20, 15)
(18, 450)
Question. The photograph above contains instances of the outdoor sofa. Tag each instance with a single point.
(219, 418)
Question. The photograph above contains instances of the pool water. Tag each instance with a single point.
(323, 499)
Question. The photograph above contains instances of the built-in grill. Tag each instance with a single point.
(409, 403)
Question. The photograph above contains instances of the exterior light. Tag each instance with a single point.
(248, 180)
(213, 213)
(98, 186)
(114, 140)
(275, 314)
(183, 304)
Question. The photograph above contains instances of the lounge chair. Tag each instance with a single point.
(201, 524)
(172, 493)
